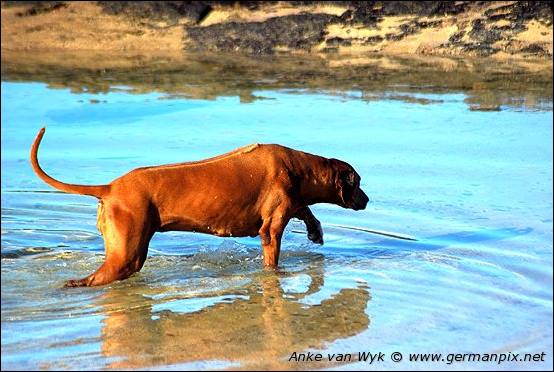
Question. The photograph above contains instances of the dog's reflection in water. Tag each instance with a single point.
(260, 329)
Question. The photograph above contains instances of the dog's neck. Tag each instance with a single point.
(317, 183)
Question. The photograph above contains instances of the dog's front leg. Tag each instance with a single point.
(271, 232)
(315, 232)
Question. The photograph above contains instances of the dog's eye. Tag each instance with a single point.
(349, 178)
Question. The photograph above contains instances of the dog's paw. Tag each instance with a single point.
(316, 234)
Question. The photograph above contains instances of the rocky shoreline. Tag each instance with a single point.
(501, 29)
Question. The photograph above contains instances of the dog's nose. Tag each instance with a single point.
(362, 200)
(365, 201)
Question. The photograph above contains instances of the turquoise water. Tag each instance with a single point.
(474, 187)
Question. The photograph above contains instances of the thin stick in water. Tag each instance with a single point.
(372, 231)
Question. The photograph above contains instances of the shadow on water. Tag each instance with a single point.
(257, 325)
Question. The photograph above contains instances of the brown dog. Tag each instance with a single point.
(253, 190)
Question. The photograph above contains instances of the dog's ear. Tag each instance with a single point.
(345, 185)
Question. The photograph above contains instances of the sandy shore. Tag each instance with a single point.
(497, 29)
(83, 26)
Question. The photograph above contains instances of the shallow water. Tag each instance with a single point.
(472, 183)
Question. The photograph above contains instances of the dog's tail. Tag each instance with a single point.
(97, 191)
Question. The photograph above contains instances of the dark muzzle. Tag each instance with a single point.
(360, 200)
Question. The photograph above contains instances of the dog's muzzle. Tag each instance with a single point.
(360, 200)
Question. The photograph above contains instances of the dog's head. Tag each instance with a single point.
(347, 184)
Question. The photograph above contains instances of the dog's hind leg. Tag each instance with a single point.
(126, 237)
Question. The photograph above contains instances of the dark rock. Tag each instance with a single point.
(482, 50)
(336, 41)
(394, 37)
(535, 49)
(36, 7)
(300, 31)
(408, 28)
(457, 37)
(427, 24)
(370, 12)
(169, 11)
(374, 39)
(363, 13)
(482, 35)
(521, 11)
(526, 10)
(497, 17)
(421, 8)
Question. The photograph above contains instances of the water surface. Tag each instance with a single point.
(457, 154)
